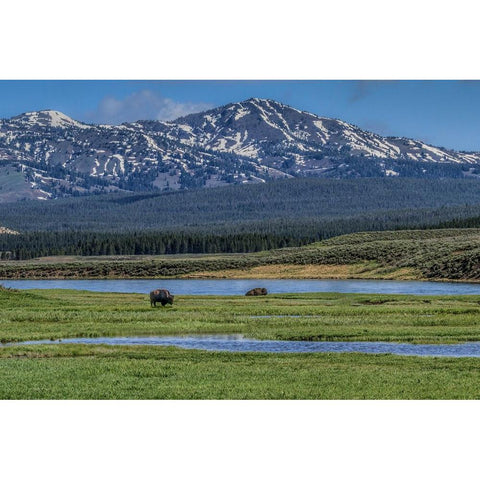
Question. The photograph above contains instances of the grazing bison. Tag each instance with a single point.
(256, 291)
(162, 296)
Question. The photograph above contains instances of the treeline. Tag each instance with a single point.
(471, 222)
(40, 244)
(236, 238)
(243, 237)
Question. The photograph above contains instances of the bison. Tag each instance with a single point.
(256, 291)
(162, 296)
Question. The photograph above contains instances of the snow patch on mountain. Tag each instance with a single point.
(8, 231)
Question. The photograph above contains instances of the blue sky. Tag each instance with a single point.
(443, 113)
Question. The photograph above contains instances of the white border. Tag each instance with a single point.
(253, 39)
(237, 440)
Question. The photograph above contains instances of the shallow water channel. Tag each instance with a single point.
(239, 343)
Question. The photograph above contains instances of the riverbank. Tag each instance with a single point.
(73, 371)
(105, 269)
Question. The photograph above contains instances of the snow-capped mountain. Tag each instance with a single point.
(46, 118)
(47, 154)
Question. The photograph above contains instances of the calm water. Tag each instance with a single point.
(238, 343)
(239, 287)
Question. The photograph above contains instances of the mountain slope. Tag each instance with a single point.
(246, 142)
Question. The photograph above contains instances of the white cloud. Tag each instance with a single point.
(142, 105)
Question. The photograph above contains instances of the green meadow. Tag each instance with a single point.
(140, 372)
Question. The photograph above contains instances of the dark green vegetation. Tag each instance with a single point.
(324, 207)
(237, 219)
(37, 244)
(79, 371)
(424, 254)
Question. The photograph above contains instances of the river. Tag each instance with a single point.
(239, 287)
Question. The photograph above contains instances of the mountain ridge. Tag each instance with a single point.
(47, 154)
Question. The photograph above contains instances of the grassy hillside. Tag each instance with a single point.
(410, 254)
(13, 185)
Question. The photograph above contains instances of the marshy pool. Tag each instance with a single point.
(239, 343)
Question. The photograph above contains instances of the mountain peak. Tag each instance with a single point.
(250, 141)
(266, 102)
(48, 118)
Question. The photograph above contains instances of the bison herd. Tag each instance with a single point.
(160, 295)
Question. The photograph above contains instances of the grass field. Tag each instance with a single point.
(80, 371)
(97, 372)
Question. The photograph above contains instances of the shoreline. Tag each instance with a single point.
(239, 277)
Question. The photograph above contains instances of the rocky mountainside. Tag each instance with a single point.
(47, 154)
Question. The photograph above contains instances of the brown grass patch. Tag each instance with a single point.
(364, 270)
